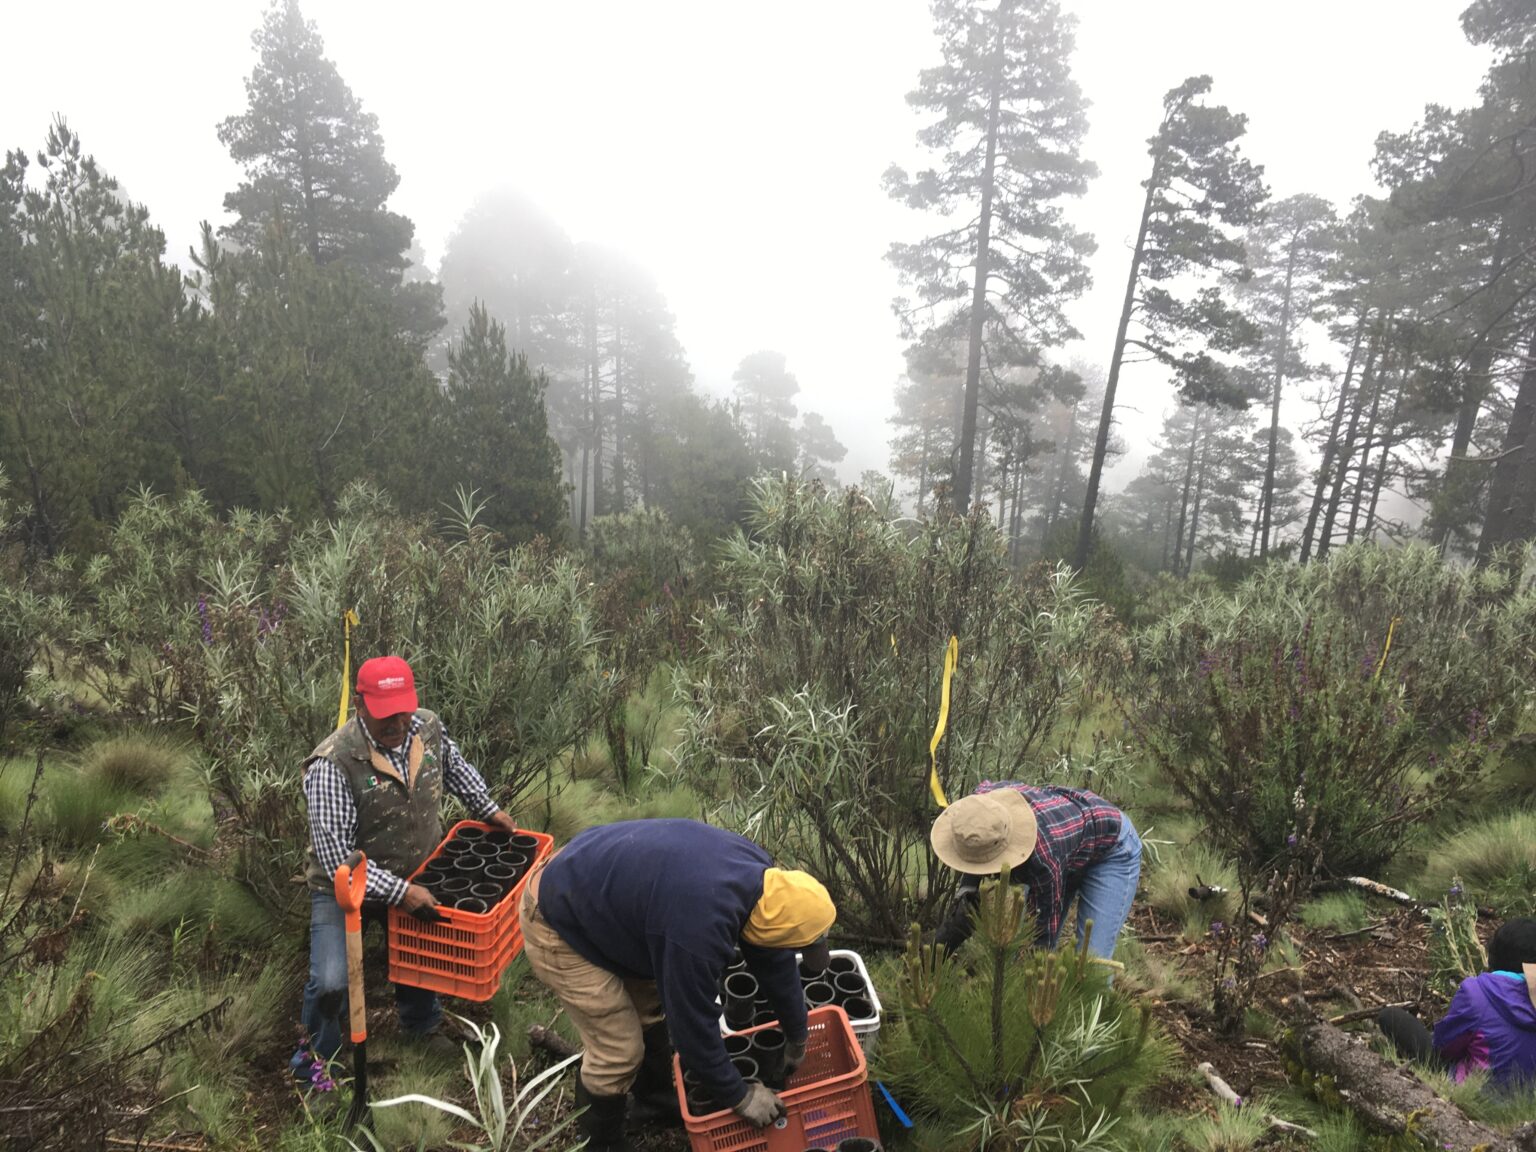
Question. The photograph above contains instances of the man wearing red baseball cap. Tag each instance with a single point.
(376, 783)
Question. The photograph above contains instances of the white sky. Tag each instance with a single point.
(735, 149)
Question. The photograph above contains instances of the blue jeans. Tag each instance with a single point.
(325, 995)
(1107, 891)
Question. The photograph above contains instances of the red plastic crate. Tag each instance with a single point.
(827, 1098)
(465, 954)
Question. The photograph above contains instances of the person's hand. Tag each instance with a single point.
(420, 903)
(759, 1107)
(794, 1056)
(503, 821)
(958, 925)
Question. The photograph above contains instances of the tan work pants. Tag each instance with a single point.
(608, 1011)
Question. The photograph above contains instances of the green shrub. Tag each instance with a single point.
(1494, 859)
(79, 806)
(1034, 1050)
(230, 627)
(811, 708)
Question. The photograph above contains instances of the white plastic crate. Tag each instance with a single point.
(866, 1028)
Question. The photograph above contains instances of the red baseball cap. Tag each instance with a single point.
(388, 685)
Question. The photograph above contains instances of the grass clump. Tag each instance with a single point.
(1495, 860)
(1335, 912)
(1175, 872)
(137, 765)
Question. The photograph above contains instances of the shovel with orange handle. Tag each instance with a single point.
(351, 882)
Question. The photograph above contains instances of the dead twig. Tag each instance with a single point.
(1223, 1091)
(1367, 1013)
(550, 1041)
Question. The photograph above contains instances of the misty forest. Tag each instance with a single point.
(1243, 545)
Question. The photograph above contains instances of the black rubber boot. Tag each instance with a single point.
(654, 1092)
(602, 1122)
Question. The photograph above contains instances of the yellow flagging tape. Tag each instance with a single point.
(1387, 647)
(348, 622)
(951, 655)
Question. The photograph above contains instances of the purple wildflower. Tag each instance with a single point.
(1217, 928)
(1260, 942)
(202, 612)
(1291, 840)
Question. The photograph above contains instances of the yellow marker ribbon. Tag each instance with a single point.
(951, 655)
(1387, 647)
(349, 620)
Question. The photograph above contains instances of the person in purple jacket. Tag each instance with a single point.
(1491, 1023)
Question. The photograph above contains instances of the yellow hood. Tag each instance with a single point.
(794, 910)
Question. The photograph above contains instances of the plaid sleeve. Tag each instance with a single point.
(460, 778)
(333, 829)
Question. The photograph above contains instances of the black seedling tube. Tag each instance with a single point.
(768, 1051)
(471, 904)
(842, 964)
(746, 1067)
(738, 1045)
(490, 893)
(523, 842)
(847, 985)
(858, 1144)
(471, 834)
(858, 1008)
(740, 991)
(455, 886)
(818, 994)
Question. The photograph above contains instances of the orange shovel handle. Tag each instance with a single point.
(351, 882)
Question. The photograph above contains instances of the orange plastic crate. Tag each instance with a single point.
(827, 1098)
(465, 954)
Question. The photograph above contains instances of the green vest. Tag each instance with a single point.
(398, 821)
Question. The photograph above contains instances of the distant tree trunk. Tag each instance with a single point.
(964, 471)
(1331, 446)
(1016, 522)
(1107, 415)
(1367, 443)
(1504, 519)
(979, 475)
(1167, 534)
(1347, 448)
(595, 401)
(1384, 465)
(1194, 516)
(922, 467)
(618, 413)
(1189, 480)
(1064, 462)
(1461, 477)
(1267, 498)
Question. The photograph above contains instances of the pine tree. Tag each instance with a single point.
(495, 436)
(1200, 187)
(89, 319)
(818, 448)
(765, 391)
(1290, 251)
(1009, 123)
(314, 159)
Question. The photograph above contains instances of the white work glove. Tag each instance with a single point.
(759, 1106)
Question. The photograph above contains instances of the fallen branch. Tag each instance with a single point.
(157, 1145)
(1391, 1099)
(1377, 889)
(1220, 1087)
(1285, 1126)
(1366, 1013)
(550, 1041)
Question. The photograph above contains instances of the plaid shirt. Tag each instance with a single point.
(1077, 830)
(333, 810)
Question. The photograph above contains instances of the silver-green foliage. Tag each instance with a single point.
(818, 688)
(231, 628)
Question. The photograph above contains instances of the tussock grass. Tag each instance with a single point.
(137, 765)
(1175, 872)
(1336, 912)
(1229, 1130)
(1496, 860)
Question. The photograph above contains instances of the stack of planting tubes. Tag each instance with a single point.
(760, 1055)
(477, 868)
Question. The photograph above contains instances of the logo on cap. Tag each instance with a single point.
(388, 682)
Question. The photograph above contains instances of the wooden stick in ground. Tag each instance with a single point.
(1220, 1087)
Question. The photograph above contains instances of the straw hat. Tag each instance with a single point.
(985, 833)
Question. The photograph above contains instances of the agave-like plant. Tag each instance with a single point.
(504, 1125)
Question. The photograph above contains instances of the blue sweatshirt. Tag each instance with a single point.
(666, 900)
